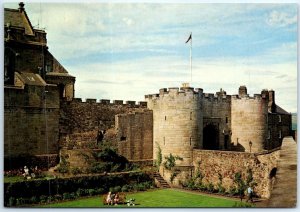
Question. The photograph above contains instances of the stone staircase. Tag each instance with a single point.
(161, 181)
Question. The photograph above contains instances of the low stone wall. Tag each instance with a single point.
(224, 165)
(213, 164)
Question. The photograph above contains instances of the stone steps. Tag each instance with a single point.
(161, 180)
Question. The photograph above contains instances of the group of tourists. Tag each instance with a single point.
(29, 173)
(112, 199)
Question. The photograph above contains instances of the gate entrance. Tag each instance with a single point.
(211, 137)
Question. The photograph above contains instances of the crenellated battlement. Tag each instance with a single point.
(108, 102)
(176, 91)
(263, 96)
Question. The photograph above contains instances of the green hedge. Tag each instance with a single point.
(68, 188)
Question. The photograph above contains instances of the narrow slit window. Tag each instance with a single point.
(269, 134)
(191, 113)
(279, 118)
(165, 118)
(226, 120)
(280, 134)
(190, 141)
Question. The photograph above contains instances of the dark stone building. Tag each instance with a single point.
(34, 84)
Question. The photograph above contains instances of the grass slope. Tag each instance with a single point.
(154, 198)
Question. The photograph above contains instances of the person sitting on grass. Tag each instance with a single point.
(109, 199)
(116, 199)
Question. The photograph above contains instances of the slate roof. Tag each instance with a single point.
(32, 79)
(18, 19)
(280, 110)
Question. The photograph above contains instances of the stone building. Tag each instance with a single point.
(34, 84)
(217, 134)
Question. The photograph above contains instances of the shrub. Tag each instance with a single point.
(233, 190)
(80, 192)
(92, 192)
(99, 191)
(50, 199)
(63, 169)
(115, 189)
(76, 171)
(66, 196)
(58, 197)
(221, 189)
(115, 168)
(125, 188)
(72, 195)
(141, 187)
(43, 198)
(12, 201)
(34, 200)
(20, 201)
(210, 187)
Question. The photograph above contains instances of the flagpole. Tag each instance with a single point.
(191, 58)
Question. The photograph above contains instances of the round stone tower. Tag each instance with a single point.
(177, 122)
(249, 121)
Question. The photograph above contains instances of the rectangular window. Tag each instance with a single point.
(269, 134)
(226, 120)
(279, 133)
(279, 118)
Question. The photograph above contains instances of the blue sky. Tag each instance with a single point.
(126, 50)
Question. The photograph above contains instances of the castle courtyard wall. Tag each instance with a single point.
(213, 164)
(135, 135)
(131, 131)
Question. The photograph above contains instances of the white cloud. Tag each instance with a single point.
(128, 21)
(77, 31)
(281, 19)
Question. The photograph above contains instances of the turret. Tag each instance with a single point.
(177, 122)
(242, 91)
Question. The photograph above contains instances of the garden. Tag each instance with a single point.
(156, 198)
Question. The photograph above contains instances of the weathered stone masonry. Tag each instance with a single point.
(128, 125)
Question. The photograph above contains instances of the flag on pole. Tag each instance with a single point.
(190, 38)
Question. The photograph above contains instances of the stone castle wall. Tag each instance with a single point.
(224, 165)
(249, 122)
(177, 122)
(227, 164)
(31, 121)
(131, 131)
(135, 135)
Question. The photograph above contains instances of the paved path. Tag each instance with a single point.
(284, 194)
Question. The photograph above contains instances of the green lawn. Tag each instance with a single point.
(155, 198)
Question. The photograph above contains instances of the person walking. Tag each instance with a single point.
(249, 194)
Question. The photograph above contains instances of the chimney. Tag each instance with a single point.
(271, 104)
(21, 7)
(242, 91)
